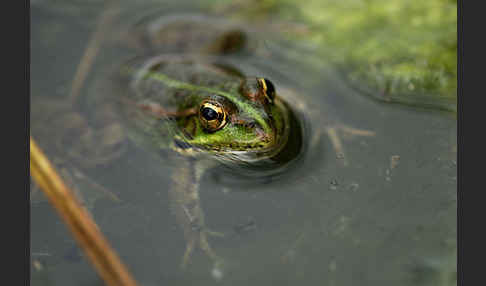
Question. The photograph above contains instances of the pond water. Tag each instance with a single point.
(379, 210)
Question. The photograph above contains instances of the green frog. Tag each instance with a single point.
(192, 105)
(202, 111)
(186, 98)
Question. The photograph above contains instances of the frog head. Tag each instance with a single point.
(247, 117)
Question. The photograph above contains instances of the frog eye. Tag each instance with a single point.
(212, 116)
(268, 89)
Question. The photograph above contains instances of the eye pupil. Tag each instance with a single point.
(209, 113)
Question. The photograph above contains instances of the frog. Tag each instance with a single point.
(188, 99)
(202, 113)
(196, 108)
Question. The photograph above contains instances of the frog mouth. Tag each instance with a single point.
(223, 148)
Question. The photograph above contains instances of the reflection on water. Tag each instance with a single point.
(379, 211)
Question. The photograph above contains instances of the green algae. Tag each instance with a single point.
(402, 51)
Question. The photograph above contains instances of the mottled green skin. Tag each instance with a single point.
(254, 129)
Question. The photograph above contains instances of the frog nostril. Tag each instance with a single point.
(250, 124)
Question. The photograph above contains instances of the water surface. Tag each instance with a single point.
(381, 213)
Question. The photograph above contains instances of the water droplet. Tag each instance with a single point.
(333, 184)
(217, 272)
(353, 187)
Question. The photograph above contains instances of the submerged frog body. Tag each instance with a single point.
(200, 109)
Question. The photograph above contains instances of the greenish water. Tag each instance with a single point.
(401, 52)
(387, 217)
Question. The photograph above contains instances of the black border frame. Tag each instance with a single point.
(460, 146)
(15, 210)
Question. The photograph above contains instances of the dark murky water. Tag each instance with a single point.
(381, 213)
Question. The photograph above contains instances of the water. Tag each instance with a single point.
(382, 212)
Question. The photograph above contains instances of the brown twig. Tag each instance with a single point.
(91, 51)
(78, 220)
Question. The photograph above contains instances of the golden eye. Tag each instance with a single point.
(268, 89)
(212, 116)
